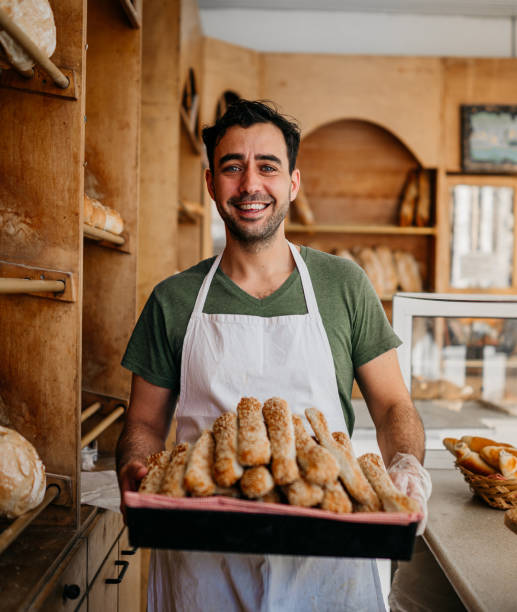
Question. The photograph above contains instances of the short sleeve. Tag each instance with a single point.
(372, 334)
(149, 353)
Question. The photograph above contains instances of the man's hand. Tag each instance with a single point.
(413, 480)
(129, 479)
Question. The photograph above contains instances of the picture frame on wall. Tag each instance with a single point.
(489, 138)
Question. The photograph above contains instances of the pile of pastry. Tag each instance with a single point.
(484, 456)
(265, 453)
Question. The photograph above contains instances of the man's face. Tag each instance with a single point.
(251, 184)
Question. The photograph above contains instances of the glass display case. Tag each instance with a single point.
(459, 358)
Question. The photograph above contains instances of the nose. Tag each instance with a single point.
(250, 180)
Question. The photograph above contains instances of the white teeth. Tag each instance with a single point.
(252, 206)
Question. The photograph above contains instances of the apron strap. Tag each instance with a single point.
(310, 297)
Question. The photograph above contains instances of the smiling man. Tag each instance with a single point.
(266, 318)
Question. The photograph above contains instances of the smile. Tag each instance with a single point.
(252, 206)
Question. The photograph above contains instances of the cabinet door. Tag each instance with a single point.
(104, 596)
(129, 588)
(71, 585)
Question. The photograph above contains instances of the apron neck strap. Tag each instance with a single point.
(310, 297)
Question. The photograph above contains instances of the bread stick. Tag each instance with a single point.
(227, 469)
(476, 443)
(391, 498)
(280, 429)
(253, 443)
(335, 498)
(341, 449)
(257, 482)
(318, 465)
(490, 454)
(198, 476)
(304, 493)
(172, 483)
(156, 465)
(471, 460)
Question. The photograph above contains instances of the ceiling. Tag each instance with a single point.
(470, 8)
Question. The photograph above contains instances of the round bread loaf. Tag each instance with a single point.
(22, 474)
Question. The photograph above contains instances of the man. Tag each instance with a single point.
(265, 319)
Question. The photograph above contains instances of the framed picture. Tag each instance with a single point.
(489, 139)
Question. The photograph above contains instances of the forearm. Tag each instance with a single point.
(400, 430)
(137, 441)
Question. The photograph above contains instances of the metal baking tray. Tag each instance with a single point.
(241, 526)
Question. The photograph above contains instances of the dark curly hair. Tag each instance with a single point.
(246, 113)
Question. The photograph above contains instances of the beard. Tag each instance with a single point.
(250, 233)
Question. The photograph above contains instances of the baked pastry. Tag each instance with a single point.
(280, 428)
(341, 449)
(253, 444)
(304, 493)
(476, 443)
(391, 498)
(450, 444)
(335, 498)
(156, 464)
(490, 454)
(507, 464)
(198, 476)
(257, 482)
(227, 469)
(22, 474)
(471, 460)
(172, 483)
(317, 464)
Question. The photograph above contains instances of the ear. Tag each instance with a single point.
(295, 183)
(210, 183)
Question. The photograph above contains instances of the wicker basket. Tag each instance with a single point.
(500, 493)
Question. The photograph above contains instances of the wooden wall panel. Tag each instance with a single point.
(41, 170)
(473, 81)
(401, 94)
(112, 155)
(158, 217)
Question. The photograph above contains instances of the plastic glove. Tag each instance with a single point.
(413, 480)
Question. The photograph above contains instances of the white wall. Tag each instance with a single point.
(362, 33)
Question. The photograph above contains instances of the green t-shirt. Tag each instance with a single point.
(355, 322)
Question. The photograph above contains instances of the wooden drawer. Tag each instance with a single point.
(101, 538)
(103, 597)
(129, 588)
(71, 582)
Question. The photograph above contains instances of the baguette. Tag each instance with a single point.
(156, 465)
(172, 483)
(353, 477)
(338, 444)
(198, 476)
(317, 464)
(471, 460)
(304, 493)
(490, 454)
(391, 498)
(253, 444)
(476, 443)
(281, 435)
(227, 469)
(335, 498)
(257, 482)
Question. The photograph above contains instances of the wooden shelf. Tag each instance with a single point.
(361, 229)
(94, 233)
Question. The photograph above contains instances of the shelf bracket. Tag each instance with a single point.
(32, 273)
(39, 83)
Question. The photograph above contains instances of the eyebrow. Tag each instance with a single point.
(240, 157)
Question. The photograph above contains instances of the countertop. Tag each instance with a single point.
(470, 541)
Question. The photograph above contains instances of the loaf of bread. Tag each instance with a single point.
(423, 207)
(227, 470)
(341, 449)
(198, 475)
(303, 208)
(253, 444)
(408, 272)
(471, 460)
(257, 482)
(280, 428)
(368, 260)
(156, 465)
(408, 199)
(172, 483)
(389, 270)
(22, 474)
(317, 464)
(102, 217)
(391, 498)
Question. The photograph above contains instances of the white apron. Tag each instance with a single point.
(226, 357)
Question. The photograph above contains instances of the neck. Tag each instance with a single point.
(244, 264)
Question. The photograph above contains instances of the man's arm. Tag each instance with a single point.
(397, 422)
(145, 431)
